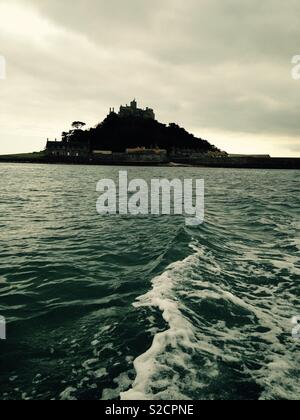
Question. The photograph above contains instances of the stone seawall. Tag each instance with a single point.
(156, 160)
(243, 162)
(127, 158)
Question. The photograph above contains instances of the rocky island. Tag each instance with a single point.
(133, 136)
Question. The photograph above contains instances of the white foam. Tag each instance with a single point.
(100, 373)
(167, 370)
(67, 394)
(88, 363)
(123, 382)
(157, 370)
(179, 334)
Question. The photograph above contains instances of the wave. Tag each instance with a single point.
(216, 334)
(150, 365)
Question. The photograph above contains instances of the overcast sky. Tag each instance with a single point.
(220, 68)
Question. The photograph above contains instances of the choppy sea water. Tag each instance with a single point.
(146, 308)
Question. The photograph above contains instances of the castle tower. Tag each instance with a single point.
(133, 105)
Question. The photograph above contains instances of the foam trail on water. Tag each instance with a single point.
(152, 368)
(193, 356)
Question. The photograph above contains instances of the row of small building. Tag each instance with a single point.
(56, 150)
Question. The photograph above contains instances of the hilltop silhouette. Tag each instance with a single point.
(131, 128)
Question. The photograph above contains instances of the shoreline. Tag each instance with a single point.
(228, 162)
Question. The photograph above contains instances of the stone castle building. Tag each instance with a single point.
(132, 110)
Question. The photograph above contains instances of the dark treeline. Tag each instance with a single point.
(117, 134)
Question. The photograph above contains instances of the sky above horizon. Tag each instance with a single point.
(219, 68)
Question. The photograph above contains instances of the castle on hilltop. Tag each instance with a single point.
(132, 110)
(130, 136)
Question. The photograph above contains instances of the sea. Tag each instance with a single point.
(114, 307)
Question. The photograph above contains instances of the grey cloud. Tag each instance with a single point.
(194, 30)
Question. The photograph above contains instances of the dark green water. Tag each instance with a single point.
(103, 307)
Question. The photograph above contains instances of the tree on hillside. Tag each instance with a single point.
(65, 136)
(117, 134)
(78, 125)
